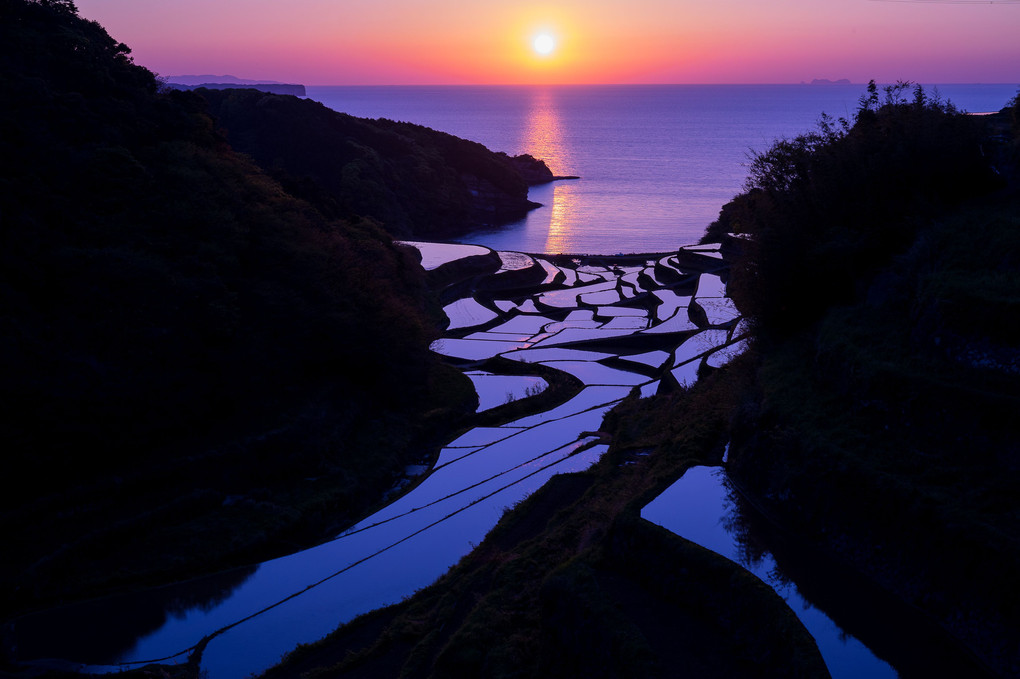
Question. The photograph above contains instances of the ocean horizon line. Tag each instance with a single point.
(785, 84)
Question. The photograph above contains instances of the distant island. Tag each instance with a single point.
(826, 81)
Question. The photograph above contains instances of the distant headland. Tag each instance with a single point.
(229, 82)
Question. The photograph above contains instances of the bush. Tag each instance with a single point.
(834, 205)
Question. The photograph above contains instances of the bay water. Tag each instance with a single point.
(656, 162)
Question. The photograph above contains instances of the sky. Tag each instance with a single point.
(419, 42)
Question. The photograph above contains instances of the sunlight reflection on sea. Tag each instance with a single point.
(656, 161)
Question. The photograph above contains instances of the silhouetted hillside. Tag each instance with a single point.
(414, 180)
(178, 330)
(882, 270)
(836, 204)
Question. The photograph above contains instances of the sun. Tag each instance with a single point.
(543, 44)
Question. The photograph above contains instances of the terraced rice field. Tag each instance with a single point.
(615, 324)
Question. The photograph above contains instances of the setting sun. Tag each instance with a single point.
(544, 44)
(595, 41)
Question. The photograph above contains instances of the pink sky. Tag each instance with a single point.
(393, 42)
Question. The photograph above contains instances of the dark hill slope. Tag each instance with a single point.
(884, 278)
(414, 180)
(194, 362)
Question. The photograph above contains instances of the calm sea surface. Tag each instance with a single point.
(656, 162)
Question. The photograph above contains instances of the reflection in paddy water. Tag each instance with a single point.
(861, 630)
(701, 508)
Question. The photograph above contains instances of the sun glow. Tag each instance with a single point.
(405, 42)
(543, 44)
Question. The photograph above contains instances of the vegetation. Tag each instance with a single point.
(883, 272)
(827, 209)
(200, 369)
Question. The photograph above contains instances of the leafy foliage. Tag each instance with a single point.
(834, 205)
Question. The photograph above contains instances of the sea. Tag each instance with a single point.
(656, 162)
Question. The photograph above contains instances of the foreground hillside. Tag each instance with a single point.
(200, 369)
